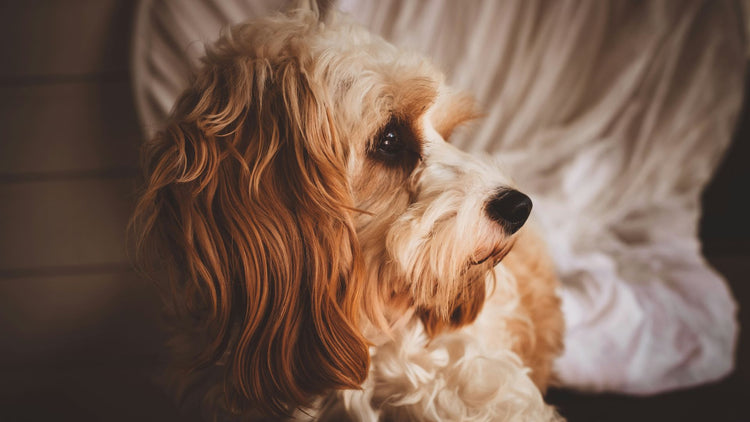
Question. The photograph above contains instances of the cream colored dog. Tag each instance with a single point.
(329, 254)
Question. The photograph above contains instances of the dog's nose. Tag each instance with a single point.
(510, 208)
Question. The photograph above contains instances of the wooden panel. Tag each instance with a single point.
(114, 393)
(67, 319)
(67, 128)
(63, 224)
(63, 37)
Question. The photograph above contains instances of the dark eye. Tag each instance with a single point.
(395, 146)
(389, 140)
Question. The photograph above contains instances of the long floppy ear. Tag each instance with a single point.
(249, 206)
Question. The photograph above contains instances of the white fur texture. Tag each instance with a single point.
(466, 375)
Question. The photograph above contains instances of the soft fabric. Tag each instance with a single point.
(612, 115)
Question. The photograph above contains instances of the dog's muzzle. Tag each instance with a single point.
(509, 208)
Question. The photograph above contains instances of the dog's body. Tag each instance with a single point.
(489, 370)
(329, 251)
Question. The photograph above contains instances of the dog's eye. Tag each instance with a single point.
(396, 146)
(389, 140)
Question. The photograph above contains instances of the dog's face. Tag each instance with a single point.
(305, 187)
(435, 220)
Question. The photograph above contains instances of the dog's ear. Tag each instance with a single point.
(248, 200)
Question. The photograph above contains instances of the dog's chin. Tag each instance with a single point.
(462, 306)
(489, 256)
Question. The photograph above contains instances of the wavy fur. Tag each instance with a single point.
(293, 248)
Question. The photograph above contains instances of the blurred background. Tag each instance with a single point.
(79, 330)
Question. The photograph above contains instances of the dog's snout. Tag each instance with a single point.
(510, 208)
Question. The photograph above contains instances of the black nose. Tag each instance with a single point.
(510, 208)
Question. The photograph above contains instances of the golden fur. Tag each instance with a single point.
(535, 275)
(271, 213)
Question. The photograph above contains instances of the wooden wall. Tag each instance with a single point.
(79, 329)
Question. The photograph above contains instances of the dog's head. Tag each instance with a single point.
(305, 187)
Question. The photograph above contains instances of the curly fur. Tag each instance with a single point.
(309, 273)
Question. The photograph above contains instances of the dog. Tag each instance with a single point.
(326, 253)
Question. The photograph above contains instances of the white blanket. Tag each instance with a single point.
(611, 115)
